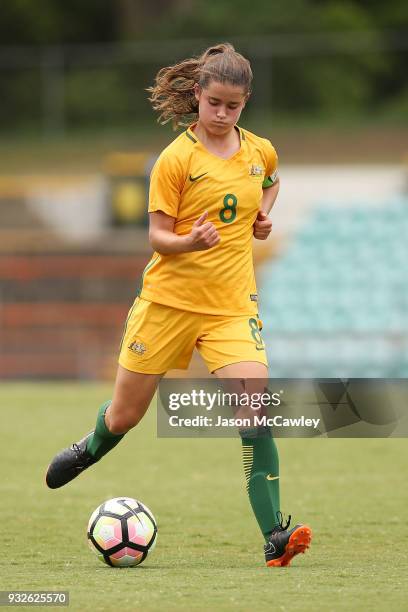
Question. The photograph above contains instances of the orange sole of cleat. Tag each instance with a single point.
(299, 542)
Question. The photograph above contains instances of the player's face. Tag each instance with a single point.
(220, 106)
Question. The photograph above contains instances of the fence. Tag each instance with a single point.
(52, 88)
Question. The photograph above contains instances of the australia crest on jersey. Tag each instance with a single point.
(256, 170)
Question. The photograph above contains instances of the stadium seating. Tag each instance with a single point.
(335, 304)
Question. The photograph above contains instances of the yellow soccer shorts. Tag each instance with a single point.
(159, 338)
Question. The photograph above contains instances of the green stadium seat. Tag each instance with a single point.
(336, 302)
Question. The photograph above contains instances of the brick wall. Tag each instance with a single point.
(62, 314)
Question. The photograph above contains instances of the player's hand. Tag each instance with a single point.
(203, 235)
(262, 226)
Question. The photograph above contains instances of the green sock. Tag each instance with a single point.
(261, 465)
(102, 440)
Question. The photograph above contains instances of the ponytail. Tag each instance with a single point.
(172, 94)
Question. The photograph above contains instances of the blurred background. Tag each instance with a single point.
(78, 139)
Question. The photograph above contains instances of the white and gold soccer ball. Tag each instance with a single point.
(122, 532)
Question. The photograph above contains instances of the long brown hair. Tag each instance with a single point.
(172, 94)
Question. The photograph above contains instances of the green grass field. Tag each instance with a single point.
(209, 551)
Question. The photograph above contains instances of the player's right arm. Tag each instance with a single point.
(164, 240)
(167, 180)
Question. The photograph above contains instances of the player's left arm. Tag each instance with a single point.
(269, 196)
(263, 224)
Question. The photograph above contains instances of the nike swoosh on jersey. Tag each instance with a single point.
(195, 178)
(270, 477)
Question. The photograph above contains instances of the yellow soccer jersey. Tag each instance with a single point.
(186, 181)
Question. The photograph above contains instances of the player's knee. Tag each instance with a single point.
(121, 423)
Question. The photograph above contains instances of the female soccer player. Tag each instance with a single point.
(211, 191)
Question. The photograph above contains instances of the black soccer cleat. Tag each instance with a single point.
(69, 463)
(283, 545)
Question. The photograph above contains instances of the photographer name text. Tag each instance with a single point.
(255, 421)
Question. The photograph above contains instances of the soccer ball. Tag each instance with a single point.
(122, 531)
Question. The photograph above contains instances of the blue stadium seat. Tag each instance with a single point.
(336, 302)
